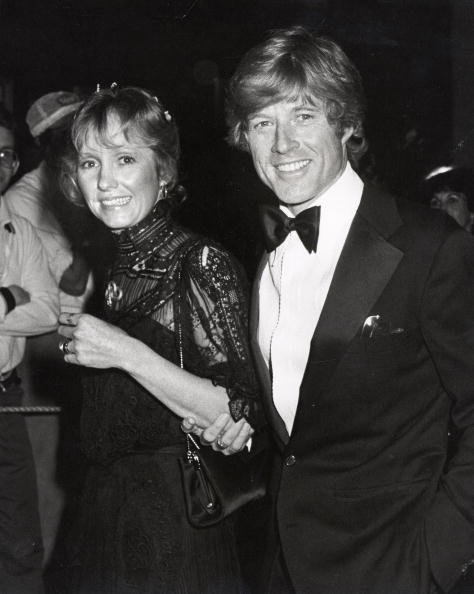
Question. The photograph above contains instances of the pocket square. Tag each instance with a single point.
(377, 325)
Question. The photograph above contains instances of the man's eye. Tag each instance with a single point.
(261, 124)
(127, 159)
(304, 117)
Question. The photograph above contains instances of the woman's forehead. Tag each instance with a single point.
(113, 134)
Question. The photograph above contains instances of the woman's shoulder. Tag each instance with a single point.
(205, 252)
(206, 260)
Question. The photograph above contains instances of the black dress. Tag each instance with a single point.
(131, 533)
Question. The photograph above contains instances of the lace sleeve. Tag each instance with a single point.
(214, 311)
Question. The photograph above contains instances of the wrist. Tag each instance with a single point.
(9, 298)
(128, 349)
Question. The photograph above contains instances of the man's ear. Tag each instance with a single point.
(15, 167)
(347, 133)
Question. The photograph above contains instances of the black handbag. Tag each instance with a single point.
(215, 485)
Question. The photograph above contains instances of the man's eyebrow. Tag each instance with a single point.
(258, 114)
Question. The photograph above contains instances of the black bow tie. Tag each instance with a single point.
(277, 225)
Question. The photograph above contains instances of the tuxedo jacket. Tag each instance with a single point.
(375, 485)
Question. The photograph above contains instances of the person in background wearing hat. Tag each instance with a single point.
(451, 189)
(32, 197)
(37, 198)
(29, 305)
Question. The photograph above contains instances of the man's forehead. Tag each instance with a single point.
(7, 139)
(293, 103)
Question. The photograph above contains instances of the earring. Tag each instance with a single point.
(163, 190)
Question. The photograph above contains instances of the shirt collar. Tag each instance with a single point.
(5, 215)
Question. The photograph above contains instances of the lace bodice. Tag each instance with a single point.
(185, 297)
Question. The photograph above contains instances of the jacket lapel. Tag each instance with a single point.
(366, 264)
(273, 417)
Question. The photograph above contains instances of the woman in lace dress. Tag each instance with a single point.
(172, 299)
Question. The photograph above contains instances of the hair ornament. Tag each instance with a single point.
(113, 86)
(97, 88)
(168, 117)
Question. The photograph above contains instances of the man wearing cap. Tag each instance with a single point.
(48, 120)
(29, 305)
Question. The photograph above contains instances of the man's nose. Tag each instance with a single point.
(107, 178)
(284, 140)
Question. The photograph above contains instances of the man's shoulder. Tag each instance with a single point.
(415, 217)
(18, 225)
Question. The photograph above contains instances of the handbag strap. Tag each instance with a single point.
(185, 250)
(191, 443)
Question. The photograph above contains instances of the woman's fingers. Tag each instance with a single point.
(68, 319)
(241, 439)
(234, 438)
(212, 433)
(189, 425)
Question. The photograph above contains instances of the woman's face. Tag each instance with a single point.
(119, 179)
(455, 204)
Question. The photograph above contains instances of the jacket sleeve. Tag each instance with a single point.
(447, 317)
(40, 315)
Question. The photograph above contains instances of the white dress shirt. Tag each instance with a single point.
(23, 262)
(28, 198)
(293, 289)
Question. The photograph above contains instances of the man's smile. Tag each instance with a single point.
(293, 166)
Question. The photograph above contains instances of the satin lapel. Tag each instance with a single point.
(273, 417)
(366, 264)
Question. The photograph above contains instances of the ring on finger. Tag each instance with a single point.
(64, 346)
(220, 444)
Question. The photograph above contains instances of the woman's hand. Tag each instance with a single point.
(90, 341)
(223, 435)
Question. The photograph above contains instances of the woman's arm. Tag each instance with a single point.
(95, 343)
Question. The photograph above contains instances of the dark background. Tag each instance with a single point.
(415, 57)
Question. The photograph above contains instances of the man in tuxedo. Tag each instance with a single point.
(363, 332)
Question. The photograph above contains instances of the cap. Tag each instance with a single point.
(50, 109)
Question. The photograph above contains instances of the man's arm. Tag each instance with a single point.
(447, 318)
(33, 276)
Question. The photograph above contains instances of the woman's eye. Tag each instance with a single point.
(87, 164)
(127, 159)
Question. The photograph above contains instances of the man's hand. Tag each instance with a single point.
(74, 278)
(21, 296)
(223, 435)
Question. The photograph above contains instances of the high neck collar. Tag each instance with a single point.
(146, 235)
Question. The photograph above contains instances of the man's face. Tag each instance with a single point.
(7, 170)
(454, 204)
(295, 150)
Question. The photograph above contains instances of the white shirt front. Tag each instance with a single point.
(28, 198)
(293, 289)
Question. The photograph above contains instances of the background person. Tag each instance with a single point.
(28, 306)
(172, 296)
(451, 189)
(35, 195)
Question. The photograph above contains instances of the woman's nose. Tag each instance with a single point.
(106, 178)
(284, 140)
